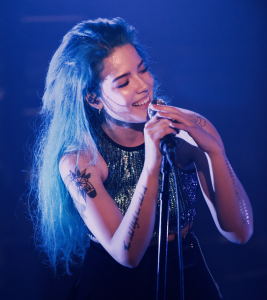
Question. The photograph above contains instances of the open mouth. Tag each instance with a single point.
(142, 102)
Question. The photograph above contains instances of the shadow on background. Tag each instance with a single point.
(210, 56)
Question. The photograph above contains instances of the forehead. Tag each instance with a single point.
(122, 60)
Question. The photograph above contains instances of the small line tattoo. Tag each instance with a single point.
(80, 207)
(80, 182)
(198, 119)
(134, 223)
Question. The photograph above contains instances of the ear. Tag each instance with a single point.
(94, 101)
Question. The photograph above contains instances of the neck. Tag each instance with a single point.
(123, 124)
(124, 133)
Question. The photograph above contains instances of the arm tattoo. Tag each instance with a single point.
(80, 182)
(239, 194)
(134, 223)
(198, 119)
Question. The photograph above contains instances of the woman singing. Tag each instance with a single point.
(96, 172)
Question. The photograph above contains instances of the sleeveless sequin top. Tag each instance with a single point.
(125, 165)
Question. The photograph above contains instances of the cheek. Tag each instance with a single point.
(116, 98)
(121, 96)
(125, 95)
(150, 80)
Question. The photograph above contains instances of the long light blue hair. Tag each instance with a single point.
(67, 120)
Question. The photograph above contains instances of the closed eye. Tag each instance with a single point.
(144, 70)
(127, 82)
(123, 85)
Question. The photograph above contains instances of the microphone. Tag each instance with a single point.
(167, 144)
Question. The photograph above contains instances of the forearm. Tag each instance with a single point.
(226, 198)
(134, 233)
(127, 237)
(229, 200)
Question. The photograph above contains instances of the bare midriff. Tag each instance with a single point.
(171, 237)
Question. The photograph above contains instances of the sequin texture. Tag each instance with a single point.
(124, 169)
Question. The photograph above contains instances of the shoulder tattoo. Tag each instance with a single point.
(80, 182)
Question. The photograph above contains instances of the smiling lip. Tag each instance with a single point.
(144, 102)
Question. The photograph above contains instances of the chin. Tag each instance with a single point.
(140, 118)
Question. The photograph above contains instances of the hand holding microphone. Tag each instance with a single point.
(167, 144)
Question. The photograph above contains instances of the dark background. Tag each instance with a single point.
(210, 56)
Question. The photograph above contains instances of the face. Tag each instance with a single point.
(127, 86)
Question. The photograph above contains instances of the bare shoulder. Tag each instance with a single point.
(69, 163)
(67, 160)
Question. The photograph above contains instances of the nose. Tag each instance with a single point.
(141, 85)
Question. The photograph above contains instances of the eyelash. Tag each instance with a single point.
(123, 85)
(144, 70)
(127, 82)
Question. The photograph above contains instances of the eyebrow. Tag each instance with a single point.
(126, 74)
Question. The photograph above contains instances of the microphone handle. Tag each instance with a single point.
(167, 147)
(167, 144)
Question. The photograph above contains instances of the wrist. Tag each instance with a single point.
(216, 150)
(216, 153)
(152, 171)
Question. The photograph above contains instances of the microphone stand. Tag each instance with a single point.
(168, 160)
(163, 230)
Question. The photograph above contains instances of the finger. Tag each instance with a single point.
(169, 109)
(166, 108)
(178, 117)
(163, 125)
(159, 107)
(178, 126)
(158, 135)
(156, 120)
(153, 120)
(181, 126)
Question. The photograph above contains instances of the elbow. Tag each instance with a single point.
(125, 257)
(247, 233)
(241, 240)
(246, 236)
(243, 237)
(129, 262)
(128, 259)
(131, 265)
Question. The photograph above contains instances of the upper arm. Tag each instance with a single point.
(85, 185)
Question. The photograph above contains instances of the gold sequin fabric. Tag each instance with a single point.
(124, 169)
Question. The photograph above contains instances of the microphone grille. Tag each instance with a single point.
(151, 112)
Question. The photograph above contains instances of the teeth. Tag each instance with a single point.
(143, 102)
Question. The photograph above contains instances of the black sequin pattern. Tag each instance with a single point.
(124, 169)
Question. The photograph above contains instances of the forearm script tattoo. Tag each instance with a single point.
(200, 120)
(134, 223)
